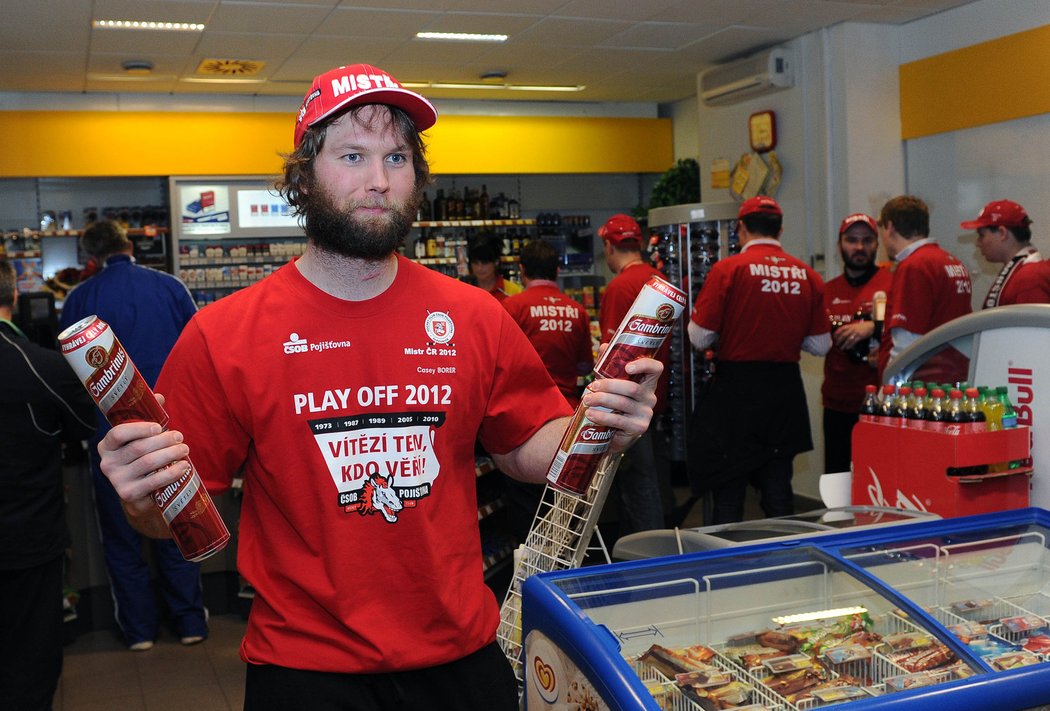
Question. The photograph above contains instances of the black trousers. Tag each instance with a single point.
(482, 681)
(30, 636)
(838, 439)
(773, 481)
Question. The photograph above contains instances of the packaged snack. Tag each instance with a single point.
(1013, 660)
(839, 694)
(925, 658)
(670, 662)
(913, 681)
(969, 631)
(902, 641)
(847, 653)
(787, 663)
(1023, 623)
(991, 645)
(971, 609)
(703, 679)
(1038, 643)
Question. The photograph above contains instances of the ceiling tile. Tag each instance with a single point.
(252, 17)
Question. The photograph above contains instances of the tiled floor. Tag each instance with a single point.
(100, 674)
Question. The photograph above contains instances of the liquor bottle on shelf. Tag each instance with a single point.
(483, 203)
(425, 209)
(440, 211)
(513, 209)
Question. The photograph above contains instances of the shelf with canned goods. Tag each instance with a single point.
(230, 261)
(521, 222)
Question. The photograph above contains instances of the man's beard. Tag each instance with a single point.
(865, 262)
(336, 229)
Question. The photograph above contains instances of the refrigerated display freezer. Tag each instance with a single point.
(953, 611)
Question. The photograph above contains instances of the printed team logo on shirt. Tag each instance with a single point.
(439, 327)
(297, 344)
(837, 300)
(380, 463)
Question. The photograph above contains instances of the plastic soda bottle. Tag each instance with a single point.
(869, 406)
(956, 415)
(917, 409)
(1009, 416)
(900, 405)
(993, 410)
(975, 417)
(937, 411)
(886, 413)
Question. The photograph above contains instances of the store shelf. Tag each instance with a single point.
(475, 223)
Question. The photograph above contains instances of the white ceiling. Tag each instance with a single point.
(621, 50)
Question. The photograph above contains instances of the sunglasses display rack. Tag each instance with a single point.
(685, 242)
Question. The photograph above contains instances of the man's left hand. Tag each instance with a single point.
(625, 405)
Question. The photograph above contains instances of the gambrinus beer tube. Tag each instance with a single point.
(642, 332)
(115, 384)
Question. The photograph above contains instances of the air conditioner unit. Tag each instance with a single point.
(761, 73)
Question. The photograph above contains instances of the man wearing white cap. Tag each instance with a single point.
(350, 388)
(1004, 237)
(849, 300)
(762, 307)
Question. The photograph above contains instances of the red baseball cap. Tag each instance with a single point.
(861, 218)
(618, 228)
(999, 213)
(759, 204)
(343, 87)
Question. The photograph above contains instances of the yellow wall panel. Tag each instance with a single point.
(999, 80)
(97, 143)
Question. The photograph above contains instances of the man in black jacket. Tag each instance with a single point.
(42, 405)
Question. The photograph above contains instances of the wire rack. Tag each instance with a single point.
(558, 540)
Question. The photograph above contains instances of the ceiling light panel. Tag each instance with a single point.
(153, 25)
(460, 37)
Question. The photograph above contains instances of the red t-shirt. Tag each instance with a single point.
(762, 303)
(559, 329)
(930, 287)
(354, 424)
(619, 295)
(1027, 283)
(845, 378)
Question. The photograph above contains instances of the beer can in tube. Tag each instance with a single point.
(122, 394)
(644, 329)
(579, 454)
(642, 332)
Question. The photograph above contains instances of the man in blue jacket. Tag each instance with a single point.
(147, 310)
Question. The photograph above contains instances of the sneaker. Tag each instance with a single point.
(143, 646)
(193, 639)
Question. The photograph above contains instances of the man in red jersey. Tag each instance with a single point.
(560, 331)
(849, 302)
(930, 287)
(644, 486)
(1004, 237)
(762, 307)
(349, 390)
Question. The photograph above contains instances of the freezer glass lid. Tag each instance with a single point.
(784, 629)
(989, 588)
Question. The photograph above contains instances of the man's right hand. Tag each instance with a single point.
(139, 458)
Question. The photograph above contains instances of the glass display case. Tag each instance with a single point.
(937, 611)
